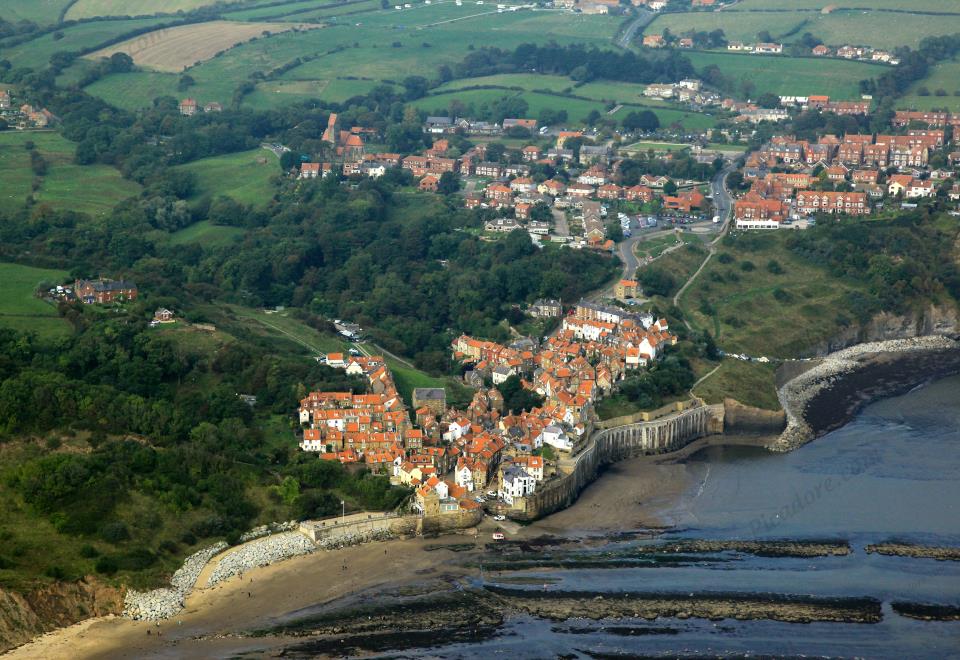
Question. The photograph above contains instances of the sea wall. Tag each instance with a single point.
(835, 388)
(362, 528)
(740, 418)
(609, 445)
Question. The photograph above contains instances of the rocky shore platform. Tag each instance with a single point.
(831, 392)
(915, 551)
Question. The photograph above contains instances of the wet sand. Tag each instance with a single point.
(626, 497)
(213, 616)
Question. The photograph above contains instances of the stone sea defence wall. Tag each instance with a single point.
(163, 603)
(609, 445)
(276, 542)
(829, 393)
(739, 418)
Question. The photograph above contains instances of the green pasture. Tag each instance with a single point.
(944, 76)
(878, 29)
(20, 309)
(43, 12)
(903, 5)
(794, 76)
(92, 189)
(91, 8)
(36, 52)
(206, 234)
(244, 176)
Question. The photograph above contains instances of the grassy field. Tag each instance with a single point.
(750, 383)
(174, 49)
(271, 94)
(577, 109)
(878, 29)
(751, 309)
(945, 76)
(43, 12)
(656, 146)
(36, 52)
(910, 5)
(91, 8)
(137, 89)
(792, 75)
(20, 309)
(363, 48)
(261, 13)
(207, 234)
(654, 247)
(244, 176)
(93, 189)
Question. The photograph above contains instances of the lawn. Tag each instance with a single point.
(656, 146)
(736, 25)
(945, 76)
(244, 176)
(750, 383)
(207, 234)
(751, 309)
(93, 189)
(792, 76)
(20, 309)
(654, 247)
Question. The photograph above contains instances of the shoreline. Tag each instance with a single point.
(830, 394)
(215, 618)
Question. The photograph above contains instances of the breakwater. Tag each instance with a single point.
(829, 394)
(609, 445)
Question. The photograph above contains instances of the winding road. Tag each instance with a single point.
(644, 16)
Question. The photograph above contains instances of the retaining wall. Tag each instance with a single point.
(609, 445)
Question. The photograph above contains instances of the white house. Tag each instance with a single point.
(554, 436)
(463, 477)
(456, 430)
(516, 483)
(502, 373)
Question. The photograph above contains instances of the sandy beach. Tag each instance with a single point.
(627, 497)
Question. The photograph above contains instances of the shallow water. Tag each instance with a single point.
(891, 474)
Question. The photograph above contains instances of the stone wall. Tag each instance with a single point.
(609, 445)
(377, 527)
(747, 419)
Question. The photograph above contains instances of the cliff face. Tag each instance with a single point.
(24, 616)
(932, 320)
(739, 418)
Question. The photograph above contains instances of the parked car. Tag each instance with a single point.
(491, 493)
(498, 536)
(499, 517)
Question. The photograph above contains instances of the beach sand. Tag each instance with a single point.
(627, 497)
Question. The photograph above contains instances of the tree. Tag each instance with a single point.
(614, 231)
(645, 120)
(768, 100)
(449, 183)
(121, 63)
(516, 398)
(186, 81)
(416, 87)
(669, 188)
(592, 118)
